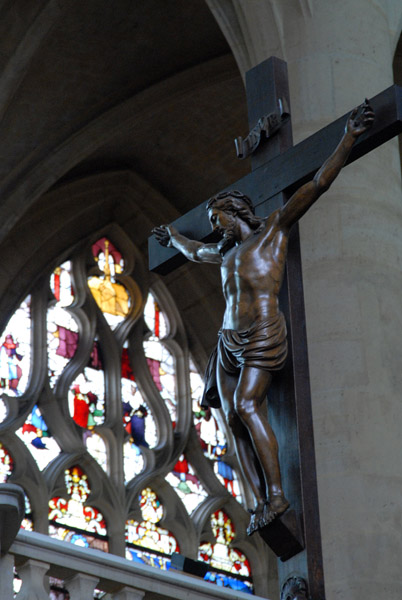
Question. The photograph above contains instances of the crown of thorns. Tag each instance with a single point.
(235, 194)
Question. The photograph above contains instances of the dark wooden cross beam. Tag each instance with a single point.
(278, 168)
(286, 171)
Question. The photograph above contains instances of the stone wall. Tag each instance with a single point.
(338, 54)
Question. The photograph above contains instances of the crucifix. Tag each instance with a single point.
(278, 170)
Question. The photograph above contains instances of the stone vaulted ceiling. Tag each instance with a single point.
(113, 111)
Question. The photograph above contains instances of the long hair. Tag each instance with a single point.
(238, 204)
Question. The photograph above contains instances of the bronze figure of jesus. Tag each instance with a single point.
(252, 342)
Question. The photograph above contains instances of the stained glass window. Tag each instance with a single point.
(223, 558)
(15, 351)
(106, 386)
(71, 520)
(146, 541)
(6, 464)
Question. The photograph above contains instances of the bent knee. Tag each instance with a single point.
(245, 407)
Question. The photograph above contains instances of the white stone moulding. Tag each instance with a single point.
(111, 574)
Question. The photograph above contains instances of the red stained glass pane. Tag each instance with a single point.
(101, 246)
(126, 370)
(68, 342)
(154, 367)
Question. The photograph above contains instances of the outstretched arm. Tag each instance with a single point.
(359, 121)
(168, 236)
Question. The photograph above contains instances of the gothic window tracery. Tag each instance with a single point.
(94, 365)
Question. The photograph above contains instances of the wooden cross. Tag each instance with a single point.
(278, 169)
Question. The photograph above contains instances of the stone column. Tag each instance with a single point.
(338, 53)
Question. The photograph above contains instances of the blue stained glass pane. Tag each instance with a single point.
(230, 582)
(36, 436)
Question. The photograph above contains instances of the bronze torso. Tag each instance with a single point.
(252, 274)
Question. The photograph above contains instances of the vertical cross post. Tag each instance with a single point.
(289, 397)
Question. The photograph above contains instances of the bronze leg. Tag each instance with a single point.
(250, 392)
(244, 448)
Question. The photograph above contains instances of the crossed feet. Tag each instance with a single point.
(266, 512)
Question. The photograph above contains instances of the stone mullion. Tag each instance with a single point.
(176, 343)
(26, 473)
(111, 430)
(38, 364)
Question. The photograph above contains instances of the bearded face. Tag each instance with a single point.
(224, 223)
(228, 240)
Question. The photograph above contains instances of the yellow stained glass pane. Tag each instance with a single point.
(111, 297)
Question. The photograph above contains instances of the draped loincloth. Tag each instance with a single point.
(263, 346)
